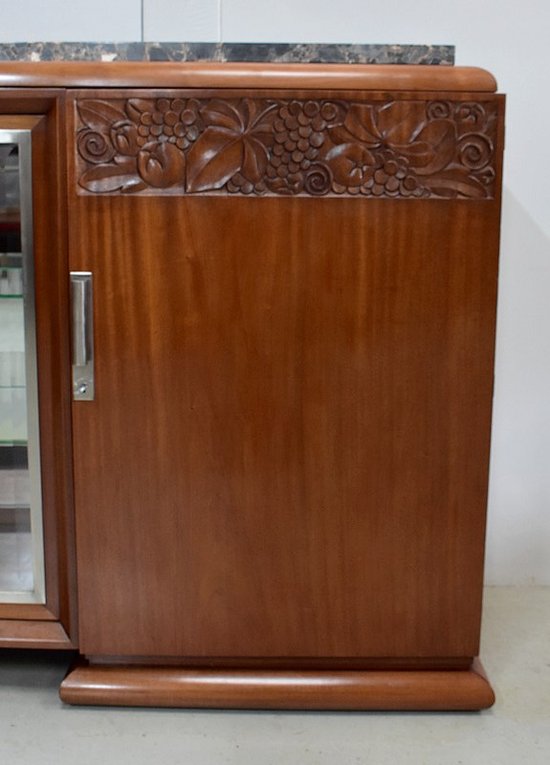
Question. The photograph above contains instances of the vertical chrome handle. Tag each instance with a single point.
(82, 335)
(79, 288)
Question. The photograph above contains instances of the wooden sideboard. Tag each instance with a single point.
(279, 481)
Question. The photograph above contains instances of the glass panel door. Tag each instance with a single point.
(21, 538)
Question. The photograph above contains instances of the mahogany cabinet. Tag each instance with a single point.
(283, 304)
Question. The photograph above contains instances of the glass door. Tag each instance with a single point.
(21, 537)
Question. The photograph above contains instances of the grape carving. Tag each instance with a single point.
(299, 132)
(265, 146)
(170, 120)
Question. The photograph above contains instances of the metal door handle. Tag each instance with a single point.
(82, 335)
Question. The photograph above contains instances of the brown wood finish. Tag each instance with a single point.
(52, 327)
(303, 388)
(27, 611)
(280, 487)
(33, 633)
(289, 663)
(289, 144)
(52, 315)
(248, 689)
(232, 75)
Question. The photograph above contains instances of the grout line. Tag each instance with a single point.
(220, 21)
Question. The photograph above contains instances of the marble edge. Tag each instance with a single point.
(328, 53)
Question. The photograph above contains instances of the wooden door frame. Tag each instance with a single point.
(53, 624)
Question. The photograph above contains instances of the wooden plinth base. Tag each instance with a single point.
(278, 689)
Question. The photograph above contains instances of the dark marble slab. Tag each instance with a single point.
(223, 52)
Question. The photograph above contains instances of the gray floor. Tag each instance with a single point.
(36, 729)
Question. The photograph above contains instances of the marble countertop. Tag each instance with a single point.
(229, 52)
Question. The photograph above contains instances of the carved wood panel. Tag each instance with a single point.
(262, 146)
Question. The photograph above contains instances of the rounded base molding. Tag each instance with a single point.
(120, 685)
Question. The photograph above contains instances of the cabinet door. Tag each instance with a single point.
(34, 399)
(287, 451)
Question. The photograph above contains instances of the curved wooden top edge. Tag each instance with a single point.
(403, 77)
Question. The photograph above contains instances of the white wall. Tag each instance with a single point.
(510, 39)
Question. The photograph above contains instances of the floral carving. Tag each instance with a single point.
(399, 148)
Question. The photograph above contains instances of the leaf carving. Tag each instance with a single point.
(107, 178)
(360, 123)
(455, 182)
(213, 159)
(138, 106)
(228, 145)
(223, 115)
(433, 149)
(99, 115)
(400, 122)
(256, 158)
(261, 120)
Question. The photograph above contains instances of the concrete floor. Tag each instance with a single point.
(36, 729)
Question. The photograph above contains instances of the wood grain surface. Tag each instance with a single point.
(52, 337)
(34, 633)
(288, 451)
(163, 74)
(245, 689)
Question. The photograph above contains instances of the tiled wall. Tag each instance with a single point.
(34, 20)
(339, 21)
(109, 20)
(351, 21)
(188, 20)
